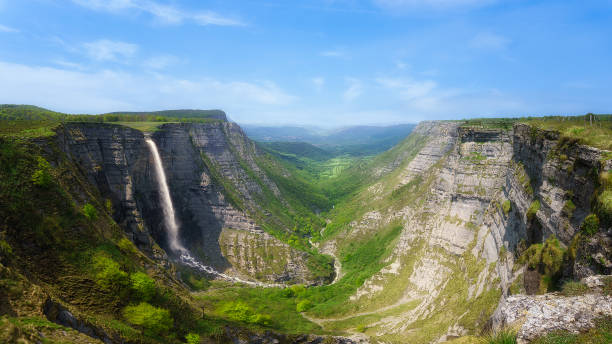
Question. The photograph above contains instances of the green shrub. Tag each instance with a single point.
(192, 338)
(532, 256)
(90, 212)
(303, 306)
(533, 209)
(504, 336)
(126, 246)
(152, 319)
(5, 249)
(552, 256)
(361, 328)
(142, 286)
(507, 206)
(568, 208)
(41, 176)
(108, 274)
(574, 288)
(590, 225)
(108, 204)
(604, 205)
(240, 311)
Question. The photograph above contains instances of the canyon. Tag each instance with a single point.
(434, 243)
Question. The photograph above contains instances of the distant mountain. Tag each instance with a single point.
(355, 140)
(215, 114)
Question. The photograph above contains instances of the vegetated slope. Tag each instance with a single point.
(69, 269)
(429, 243)
(294, 150)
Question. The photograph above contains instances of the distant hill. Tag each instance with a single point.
(355, 140)
(27, 112)
(35, 113)
(188, 113)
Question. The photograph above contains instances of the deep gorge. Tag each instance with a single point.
(433, 242)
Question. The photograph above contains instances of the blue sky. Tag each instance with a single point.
(324, 62)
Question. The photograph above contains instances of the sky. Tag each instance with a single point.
(312, 62)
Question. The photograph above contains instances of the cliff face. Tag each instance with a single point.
(215, 184)
(464, 202)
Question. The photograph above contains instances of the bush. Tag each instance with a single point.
(604, 205)
(533, 209)
(5, 249)
(240, 311)
(127, 246)
(361, 328)
(143, 286)
(552, 256)
(152, 319)
(90, 212)
(568, 208)
(192, 338)
(303, 306)
(42, 177)
(507, 206)
(109, 276)
(591, 224)
(573, 288)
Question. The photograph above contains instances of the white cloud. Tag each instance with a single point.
(408, 89)
(160, 62)
(338, 52)
(106, 90)
(7, 29)
(431, 4)
(318, 82)
(107, 50)
(354, 90)
(489, 41)
(164, 13)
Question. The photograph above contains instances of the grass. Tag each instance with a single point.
(598, 135)
(147, 127)
(600, 334)
(279, 304)
(574, 288)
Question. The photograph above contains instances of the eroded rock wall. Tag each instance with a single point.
(116, 159)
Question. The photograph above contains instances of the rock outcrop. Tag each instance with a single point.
(536, 315)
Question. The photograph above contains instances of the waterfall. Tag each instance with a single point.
(168, 208)
(173, 230)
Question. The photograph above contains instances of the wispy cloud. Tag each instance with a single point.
(107, 50)
(489, 41)
(7, 29)
(354, 90)
(318, 82)
(409, 89)
(431, 4)
(108, 90)
(337, 52)
(167, 14)
(160, 62)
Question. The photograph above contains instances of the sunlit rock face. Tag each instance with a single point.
(463, 222)
(197, 159)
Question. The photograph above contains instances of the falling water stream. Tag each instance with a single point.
(173, 229)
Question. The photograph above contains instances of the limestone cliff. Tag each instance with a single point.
(215, 183)
(463, 203)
